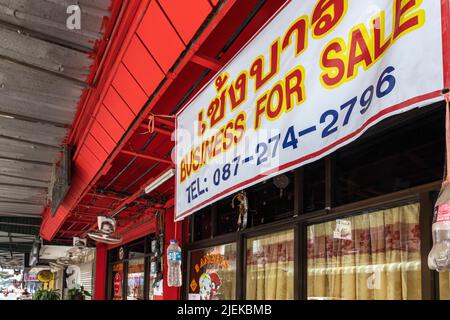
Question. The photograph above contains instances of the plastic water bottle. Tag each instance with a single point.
(174, 278)
(439, 256)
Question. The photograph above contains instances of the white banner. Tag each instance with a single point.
(313, 79)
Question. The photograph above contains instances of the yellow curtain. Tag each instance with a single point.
(270, 267)
(444, 285)
(378, 260)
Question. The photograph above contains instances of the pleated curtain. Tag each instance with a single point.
(444, 285)
(270, 267)
(380, 261)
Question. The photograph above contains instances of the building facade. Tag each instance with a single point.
(354, 224)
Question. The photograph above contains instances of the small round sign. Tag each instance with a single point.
(45, 276)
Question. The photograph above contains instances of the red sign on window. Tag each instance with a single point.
(118, 286)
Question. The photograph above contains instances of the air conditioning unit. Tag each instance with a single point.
(51, 253)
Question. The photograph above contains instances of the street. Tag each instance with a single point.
(11, 296)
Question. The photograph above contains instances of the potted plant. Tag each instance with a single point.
(78, 293)
(46, 294)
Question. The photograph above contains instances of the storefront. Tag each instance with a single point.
(133, 271)
(355, 225)
(31, 282)
(325, 119)
(53, 279)
(338, 148)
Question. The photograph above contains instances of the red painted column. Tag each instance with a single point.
(170, 293)
(100, 272)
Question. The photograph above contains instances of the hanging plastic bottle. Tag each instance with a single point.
(439, 256)
(174, 277)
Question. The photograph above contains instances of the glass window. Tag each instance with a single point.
(136, 250)
(155, 291)
(373, 256)
(392, 156)
(202, 224)
(135, 280)
(213, 273)
(118, 254)
(117, 276)
(314, 186)
(270, 267)
(268, 201)
(271, 200)
(444, 285)
(227, 217)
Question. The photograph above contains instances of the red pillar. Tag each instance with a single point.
(170, 293)
(100, 272)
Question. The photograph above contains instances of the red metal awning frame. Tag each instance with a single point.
(52, 225)
(130, 155)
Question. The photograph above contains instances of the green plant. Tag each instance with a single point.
(78, 293)
(44, 294)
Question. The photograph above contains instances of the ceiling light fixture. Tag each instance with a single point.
(120, 210)
(160, 180)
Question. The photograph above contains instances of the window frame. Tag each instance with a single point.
(415, 199)
(265, 232)
(111, 260)
(300, 221)
(204, 246)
